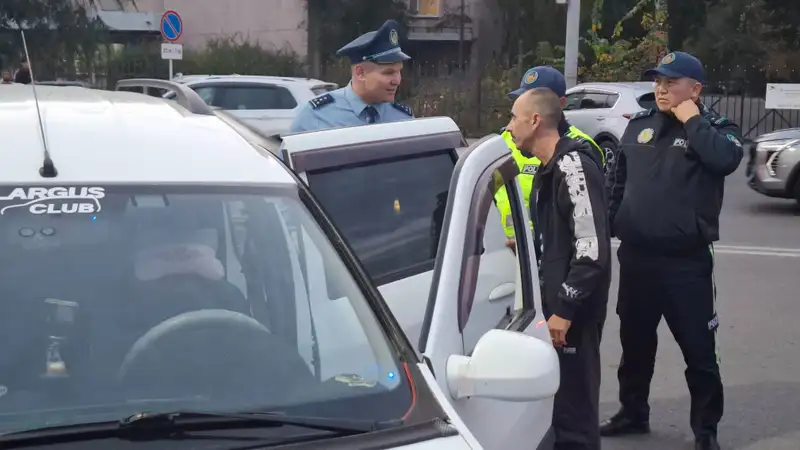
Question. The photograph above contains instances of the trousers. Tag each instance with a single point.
(681, 290)
(576, 420)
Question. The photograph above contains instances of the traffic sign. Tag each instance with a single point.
(171, 51)
(171, 26)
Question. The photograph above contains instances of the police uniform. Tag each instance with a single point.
(537, 77)
(343, 107)
(665, 211)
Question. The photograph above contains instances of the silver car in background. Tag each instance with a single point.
(773, 168)
(602, 110)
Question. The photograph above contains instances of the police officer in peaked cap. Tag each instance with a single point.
(376, 63)
(665, 194)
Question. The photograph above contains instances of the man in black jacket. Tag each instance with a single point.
(665, 196)
(575, 268)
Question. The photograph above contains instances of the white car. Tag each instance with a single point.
(267, 103)
(164, 274)
(602, 110)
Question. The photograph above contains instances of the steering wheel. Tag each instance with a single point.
(215, 347)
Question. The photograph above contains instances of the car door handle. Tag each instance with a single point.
(502, 291)
(599, 118)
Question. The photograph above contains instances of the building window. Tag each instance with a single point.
(426, 8)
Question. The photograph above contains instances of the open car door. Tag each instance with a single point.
(498, 419)
(386, 187)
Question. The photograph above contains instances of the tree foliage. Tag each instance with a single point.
(57, 32)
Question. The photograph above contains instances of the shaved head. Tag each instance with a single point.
(544, 102)
(534, 120)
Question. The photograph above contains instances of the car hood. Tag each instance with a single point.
(788, 133)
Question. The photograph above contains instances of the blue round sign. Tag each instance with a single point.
(171, 26)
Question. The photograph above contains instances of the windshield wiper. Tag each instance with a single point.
(156, 426)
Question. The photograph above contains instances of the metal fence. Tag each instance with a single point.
(751, 115)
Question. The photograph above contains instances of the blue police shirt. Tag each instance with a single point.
(343, 108)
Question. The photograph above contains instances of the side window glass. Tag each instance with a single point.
(390, 211)
(573, 101)
(255, 98)
(594, 100)
(612, 100)
(206, 93)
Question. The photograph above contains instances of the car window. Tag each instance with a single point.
(573, 101)
(390, 211)
(206, 93)
(124, 299)
(611, 100)
(594, 100)
(647, 101)
(254, 97)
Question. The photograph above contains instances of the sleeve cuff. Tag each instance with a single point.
(565, 309)
(693, 124)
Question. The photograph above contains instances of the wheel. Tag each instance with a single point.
(609, 148)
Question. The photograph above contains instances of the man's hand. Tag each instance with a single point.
(686, 110)
(512, 244)
(558, 330)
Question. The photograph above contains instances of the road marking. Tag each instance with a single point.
(747, 250)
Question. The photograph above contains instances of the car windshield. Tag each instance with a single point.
(119, 299)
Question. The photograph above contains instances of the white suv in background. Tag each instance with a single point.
(602, 110)
(268, 104)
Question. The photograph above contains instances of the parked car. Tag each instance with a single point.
(773, 166)
(602, 110)
(165, 274)
(267, 103)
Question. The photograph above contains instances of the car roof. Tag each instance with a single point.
(638, 87)
(284, 81)
(97, 136)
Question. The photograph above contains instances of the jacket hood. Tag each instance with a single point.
(566, 145)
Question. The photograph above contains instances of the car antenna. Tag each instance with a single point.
(48, 169)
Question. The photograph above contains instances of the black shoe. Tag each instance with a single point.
(706, 443)
(620, 425)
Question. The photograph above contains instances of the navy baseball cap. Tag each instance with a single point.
(382, 46)
(679, 65)
(542, 77)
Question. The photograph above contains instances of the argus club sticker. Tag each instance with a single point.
(53, 200)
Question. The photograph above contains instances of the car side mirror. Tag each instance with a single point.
(505, 365)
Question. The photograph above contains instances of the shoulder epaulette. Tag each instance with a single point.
(715, 119)
(322, 100)
(403, 108)
(643, 114)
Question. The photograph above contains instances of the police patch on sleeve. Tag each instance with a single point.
(735, 140)
(54, 200)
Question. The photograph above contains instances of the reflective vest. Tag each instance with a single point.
(527, 169)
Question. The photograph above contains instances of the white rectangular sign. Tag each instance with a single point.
(171, 51)
(782, 96)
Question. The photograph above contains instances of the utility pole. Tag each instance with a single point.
(461, 37)
(571, 41)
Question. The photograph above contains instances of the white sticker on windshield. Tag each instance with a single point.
(54, 200)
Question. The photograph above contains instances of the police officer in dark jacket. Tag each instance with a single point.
(665, 196)
(575, 265)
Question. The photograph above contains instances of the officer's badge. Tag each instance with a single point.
(393, 38)
(531, 77)
(735, 140)
(668, 59)
(530, 169)
(645, 136)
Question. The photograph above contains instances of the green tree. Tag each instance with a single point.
(59, 33)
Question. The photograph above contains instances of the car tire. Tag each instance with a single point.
(609, 150)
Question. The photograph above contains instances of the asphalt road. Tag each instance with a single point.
(758, 282)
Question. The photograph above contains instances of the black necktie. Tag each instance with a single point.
(371, 113)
